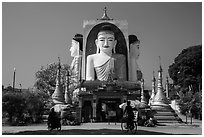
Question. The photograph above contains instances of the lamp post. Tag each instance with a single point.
(14, 75)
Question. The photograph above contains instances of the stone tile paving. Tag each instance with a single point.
(102, 129)
(109, 129)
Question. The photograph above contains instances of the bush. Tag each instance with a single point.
(14, 105)
(23, 107)
(191, 103)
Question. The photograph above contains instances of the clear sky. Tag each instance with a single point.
(36, 34)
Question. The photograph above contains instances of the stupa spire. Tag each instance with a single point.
(167, 87)
(57, 96)
(153, 81)
(160, 68)
(160, 86)
(67, 93)
(153, 89)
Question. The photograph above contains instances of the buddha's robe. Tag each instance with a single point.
(103, 71)
(75, 72)
(114, 66)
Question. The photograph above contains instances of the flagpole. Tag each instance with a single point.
(14, 75)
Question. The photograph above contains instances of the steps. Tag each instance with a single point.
(165, 114)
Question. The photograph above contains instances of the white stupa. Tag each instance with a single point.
(159, 101)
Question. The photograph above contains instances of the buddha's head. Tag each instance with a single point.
(106, 41)
(134, 45)
(76, 47)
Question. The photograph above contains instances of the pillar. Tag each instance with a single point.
(80, 108)
(94, 107)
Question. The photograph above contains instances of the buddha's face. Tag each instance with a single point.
(134, 49)
(106, 42)
(74, 48)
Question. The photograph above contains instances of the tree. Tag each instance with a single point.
(46, 77)
(186, 71)
(173, 92)
(35, 105)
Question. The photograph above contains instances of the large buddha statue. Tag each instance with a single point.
(105, 63)
(135, 72)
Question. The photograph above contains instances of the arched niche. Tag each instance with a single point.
(121, 47)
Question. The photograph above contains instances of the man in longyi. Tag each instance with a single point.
(105, 62)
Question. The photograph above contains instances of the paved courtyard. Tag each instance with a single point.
(104, 129)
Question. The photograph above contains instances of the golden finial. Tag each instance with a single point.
(59, 66)
(105, 16)
(160, 68)
(153, 77)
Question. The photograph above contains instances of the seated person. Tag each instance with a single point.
(105, 62)
(151, 122)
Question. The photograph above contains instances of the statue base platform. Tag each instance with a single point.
(111, 84)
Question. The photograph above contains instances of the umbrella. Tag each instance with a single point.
(133, 104)
(60, 107)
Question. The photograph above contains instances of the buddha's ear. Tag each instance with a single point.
(115, 42)
(97, 48)
(96, 41)
(114, 46)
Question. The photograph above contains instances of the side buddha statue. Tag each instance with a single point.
(135, 72)
(76, 53)
(105, 63)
